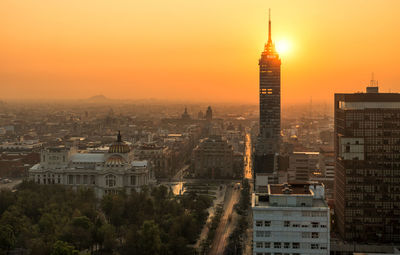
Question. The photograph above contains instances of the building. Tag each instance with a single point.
(302, 165)
(105, 173)
(185, 115)
(159, 156)
(213, 158)
(209, 114)
(291, 219)
(268, 141)
(367, 166)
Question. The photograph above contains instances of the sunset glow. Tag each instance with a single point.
(169, 49)
(283, 47)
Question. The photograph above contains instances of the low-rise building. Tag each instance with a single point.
(159, 156)
(213, 158)
(291, 219)
(105, 173)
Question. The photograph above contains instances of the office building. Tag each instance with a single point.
(367, 166)
(268, 141)
(302, 165)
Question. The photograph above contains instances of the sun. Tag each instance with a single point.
(283, 47)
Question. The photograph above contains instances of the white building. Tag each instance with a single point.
(291, 219)
(106, 172)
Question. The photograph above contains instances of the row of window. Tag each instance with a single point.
(279, 245)
(303, 234)
(48, 179)
(260, 223)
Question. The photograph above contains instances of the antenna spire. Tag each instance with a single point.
(119, 139)
(373, 82)
(269, 26)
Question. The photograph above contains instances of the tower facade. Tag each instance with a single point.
(367, 167)
(268, 143)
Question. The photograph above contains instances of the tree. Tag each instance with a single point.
(7, 198)
(79, 232)
(108, 237)
(63, 248)
(7, 237)
(149, 238)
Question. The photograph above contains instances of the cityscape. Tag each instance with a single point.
(89, 167)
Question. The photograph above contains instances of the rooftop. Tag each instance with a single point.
(292, 189)
(87, 157)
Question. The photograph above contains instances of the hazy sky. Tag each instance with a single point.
(200, 50)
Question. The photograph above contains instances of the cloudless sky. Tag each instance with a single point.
(199, 50)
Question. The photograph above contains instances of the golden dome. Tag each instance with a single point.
(119, 146)
(115, 160)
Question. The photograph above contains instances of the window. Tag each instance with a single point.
(267, 223)
(305, 235)
(259, 245)
(92, 179)
(133, 180)
(258, 223)
(314, 224)
(286, 245)
(296, 245)
(277, 245)
(110, 180)
(70, 179)
(314, 246)
(259, 233)
(323, 247)
(304, 226)
(286, 224)
(296, 225)
(314, 235)
(259, 253)
(267, 245)
(85, 179)
(323, 226)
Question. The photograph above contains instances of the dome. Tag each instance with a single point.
(115, 160)
(119, 146)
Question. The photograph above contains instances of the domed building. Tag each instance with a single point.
(107, 172)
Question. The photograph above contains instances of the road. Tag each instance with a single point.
(247, 159)
(225, 226)
(10, 185)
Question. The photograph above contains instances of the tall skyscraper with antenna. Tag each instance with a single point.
(268, 144)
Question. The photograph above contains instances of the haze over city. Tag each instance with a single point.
(194, 50)
(199, 127)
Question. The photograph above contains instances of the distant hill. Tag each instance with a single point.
(98, 98)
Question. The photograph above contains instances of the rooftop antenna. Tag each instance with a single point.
(269, 25)
(373, 82)
(373, 85)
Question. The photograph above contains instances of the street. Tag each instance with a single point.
(226, 225)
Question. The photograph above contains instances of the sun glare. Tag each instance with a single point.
(283, 47)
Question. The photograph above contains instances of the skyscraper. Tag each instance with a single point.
(367, 168)
(270, 108)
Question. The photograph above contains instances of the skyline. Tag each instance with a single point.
(175, 52)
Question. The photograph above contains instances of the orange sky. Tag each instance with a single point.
(196, 50)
